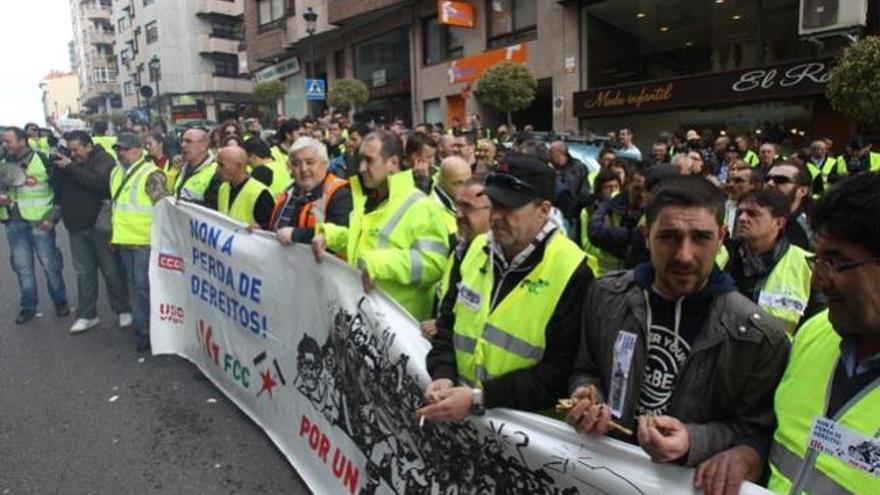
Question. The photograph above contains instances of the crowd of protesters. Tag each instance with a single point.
(707, 301)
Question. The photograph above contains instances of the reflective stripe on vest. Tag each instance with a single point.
(491, 342)
(193, 187)
(242, 208)
(315, 212)
(132, 217)
(35, 199)
(803, 395)
(786, 291)
(875, 162)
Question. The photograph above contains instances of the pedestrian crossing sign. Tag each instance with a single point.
(316, 89)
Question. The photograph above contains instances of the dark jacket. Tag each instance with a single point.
(614, 237)
(724, 390)
(577, 190)
(81, 188)
(530, 389)
(798, 231)
(338, 210)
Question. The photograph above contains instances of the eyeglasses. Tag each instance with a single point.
(828, 268)
(507, 181)
(778, 179)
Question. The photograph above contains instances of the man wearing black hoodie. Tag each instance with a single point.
(82, 182)
(672, 350)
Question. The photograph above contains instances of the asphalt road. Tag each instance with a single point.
(84, 414)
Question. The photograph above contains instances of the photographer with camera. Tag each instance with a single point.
(82, 181)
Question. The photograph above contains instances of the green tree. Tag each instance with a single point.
(854, 83)
(347, 94)
(508, 87)
(266, 95)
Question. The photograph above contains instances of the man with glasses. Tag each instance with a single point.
(794, 182)
(198, 182)
(507, 328)
(827, 403)
(768, 269)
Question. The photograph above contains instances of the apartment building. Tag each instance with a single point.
(60, 94)
(92, 55)
(190, 53)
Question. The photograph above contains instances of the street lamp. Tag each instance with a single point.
(154, 75)
(311, 19)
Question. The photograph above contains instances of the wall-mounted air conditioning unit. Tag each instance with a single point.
(828, 16)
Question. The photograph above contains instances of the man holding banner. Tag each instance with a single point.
(135, 186)
(396, 235)
(241, 196)
(673, 350)
(508, 326)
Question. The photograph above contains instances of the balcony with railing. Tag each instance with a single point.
(230, 8)
(207, 43)
(94, 9)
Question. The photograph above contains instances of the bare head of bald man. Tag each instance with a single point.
(194, 147)
(232, 165)
(454, 171)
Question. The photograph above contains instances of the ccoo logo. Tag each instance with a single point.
(170, 262)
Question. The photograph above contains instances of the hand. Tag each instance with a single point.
(453, 404)
(285, 236)
(666, 440)
(429, 329)
(62, 161)
(319, 245)
(47, 225)
(589, 416)
(724, 472)
(4, 200)
(434, 387)
(367, 282)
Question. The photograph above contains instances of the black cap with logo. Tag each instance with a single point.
(519, 179)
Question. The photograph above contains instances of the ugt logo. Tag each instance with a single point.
(535, 286)
(171, 313)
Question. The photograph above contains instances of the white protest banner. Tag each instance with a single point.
(334, 376)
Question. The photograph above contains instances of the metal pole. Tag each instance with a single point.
(312, 70)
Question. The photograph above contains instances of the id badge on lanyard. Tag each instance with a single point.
(624, 347)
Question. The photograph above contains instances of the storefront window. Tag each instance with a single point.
(636, 40)
(384, 59)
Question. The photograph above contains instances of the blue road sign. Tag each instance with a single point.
(316, 89)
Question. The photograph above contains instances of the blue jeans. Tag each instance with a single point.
(24, 240)
(136, 262)
(90, 250)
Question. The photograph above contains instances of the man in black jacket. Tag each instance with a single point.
(486, 353)
(82, 184)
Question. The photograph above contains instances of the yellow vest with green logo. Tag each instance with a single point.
(107, 143)
(35, 199)
(132, 210)
(193, 189)
(493, 342)
(801, 396)
(751, 158)
(403, 243)
(242, 208)
(786, 290)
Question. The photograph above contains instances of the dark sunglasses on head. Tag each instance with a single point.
(778, 179)
(507, 181)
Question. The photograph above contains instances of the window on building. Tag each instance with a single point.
(384, 59)
(226, 29)
(151, 30)
(125, 56)
(433, 111)
(339, 64)
(122, 23)
(270, 13)
(511, 21)
(148, 2)
(226, 65)
(440, 42)
(128, 88)
(104, 75)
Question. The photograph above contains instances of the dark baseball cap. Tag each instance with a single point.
(127, 141)
(519, 179)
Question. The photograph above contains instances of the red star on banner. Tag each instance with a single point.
(268, 383)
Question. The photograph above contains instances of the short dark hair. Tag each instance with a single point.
(17, 131)
(99, 128)
(602, 178)
(31, 124)
(687, 191)
(637, 168)
(417, 141)
(81, 136)
(391, 145)
(778, 204)
(850, 210)
(802, 177)
(361, 128)
(258, 147)
(288, 126)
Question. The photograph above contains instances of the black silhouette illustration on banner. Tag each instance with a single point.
(360, 387)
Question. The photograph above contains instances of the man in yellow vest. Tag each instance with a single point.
(241, 196)
(36, 140)
(767, 269)
(824, 169)
(827, 439)
(29, 211)
(198, 181)
(100, 137)
(135, 186)
(507, 330)
(265, 167)
(859, 157)
(396, 235)
(672, 351)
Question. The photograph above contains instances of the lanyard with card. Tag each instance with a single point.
(851, 447)
(624, 347)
